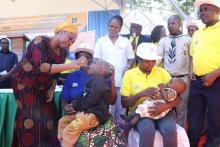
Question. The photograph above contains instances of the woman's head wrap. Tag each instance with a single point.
(66, 26)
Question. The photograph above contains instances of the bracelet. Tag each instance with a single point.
(50, 68)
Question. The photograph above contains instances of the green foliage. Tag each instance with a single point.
(186, 5)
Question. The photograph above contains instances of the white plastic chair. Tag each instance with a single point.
(182, 138)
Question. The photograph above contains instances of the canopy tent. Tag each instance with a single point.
(39, 17)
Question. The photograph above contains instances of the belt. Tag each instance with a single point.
(179, 76)
(199, 77)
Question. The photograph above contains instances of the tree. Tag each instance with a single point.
(185, 5)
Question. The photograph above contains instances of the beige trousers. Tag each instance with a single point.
(71, 126)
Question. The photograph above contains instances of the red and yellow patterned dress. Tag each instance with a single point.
(36, 119)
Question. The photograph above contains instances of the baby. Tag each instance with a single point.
(167, 94)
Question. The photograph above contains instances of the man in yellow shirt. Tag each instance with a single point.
(141, 82)
(205, 72)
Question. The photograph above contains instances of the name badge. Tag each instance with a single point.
(120, 48)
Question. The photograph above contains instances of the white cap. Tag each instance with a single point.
(84, 47)
(192, 23)
(147, 51)
(136, 21)
(216, 3)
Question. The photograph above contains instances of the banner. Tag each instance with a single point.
(37, 24)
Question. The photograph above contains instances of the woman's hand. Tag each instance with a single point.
(112, 78)
(150, 92)
(82, 61)
(158, 108)
(50, 94)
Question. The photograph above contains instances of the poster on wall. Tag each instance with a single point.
(40, 24)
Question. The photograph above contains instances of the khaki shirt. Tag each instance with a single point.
(181, 65)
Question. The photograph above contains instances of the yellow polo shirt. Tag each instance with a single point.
(205, 50)
(135, 81)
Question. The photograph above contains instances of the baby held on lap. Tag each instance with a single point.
(167, 94)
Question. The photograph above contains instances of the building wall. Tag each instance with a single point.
(17, 8)
(24, 16)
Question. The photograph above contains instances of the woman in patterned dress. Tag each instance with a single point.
(34, 80)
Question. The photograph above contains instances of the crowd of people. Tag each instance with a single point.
(144, 82)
